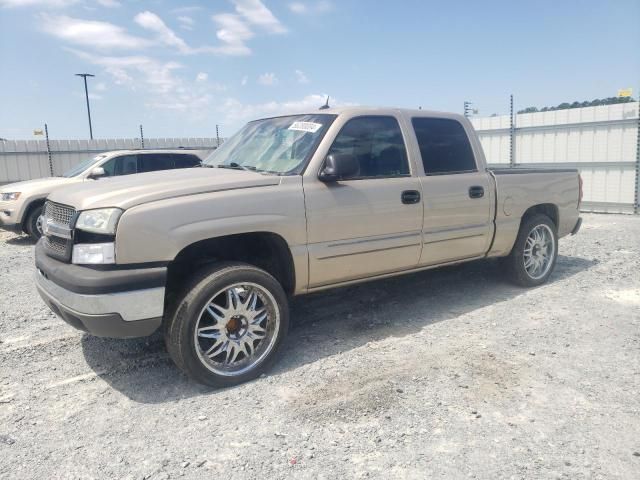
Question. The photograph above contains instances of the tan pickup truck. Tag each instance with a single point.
(290, 205)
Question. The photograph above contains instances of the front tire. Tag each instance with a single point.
(33, 224)
(228, 325)
(534, 253)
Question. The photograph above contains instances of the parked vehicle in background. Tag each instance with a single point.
(290, 205)
(21, 203)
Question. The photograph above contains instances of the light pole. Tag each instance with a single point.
(86, 93)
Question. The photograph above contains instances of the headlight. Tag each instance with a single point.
(103, 220)
(8, 196)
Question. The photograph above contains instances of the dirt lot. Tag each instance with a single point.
(451, 373)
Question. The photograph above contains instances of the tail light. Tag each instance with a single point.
(580, 190)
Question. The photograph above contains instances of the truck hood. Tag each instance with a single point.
(40, 185)
(127, 191)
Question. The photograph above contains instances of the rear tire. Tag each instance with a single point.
(227, 325)
(534, 253)
(33, 225)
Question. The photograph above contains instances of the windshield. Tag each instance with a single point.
(82, 166)
(281, 145)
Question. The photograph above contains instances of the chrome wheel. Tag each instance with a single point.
(539, 251)
(237, 329)
(39, 225)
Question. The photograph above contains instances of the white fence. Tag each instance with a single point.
(28, 159)
(602, 142)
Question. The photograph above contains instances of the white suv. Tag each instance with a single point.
(21, 203)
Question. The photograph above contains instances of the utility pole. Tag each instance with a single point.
(86, 94)
(141, 136)
(512, 134)
(469, 110)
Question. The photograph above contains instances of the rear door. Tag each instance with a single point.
(457, 197)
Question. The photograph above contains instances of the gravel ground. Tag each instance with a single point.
(450, 373)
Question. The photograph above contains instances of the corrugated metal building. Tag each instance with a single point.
(602, 142)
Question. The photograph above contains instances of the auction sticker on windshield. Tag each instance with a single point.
(305, 126)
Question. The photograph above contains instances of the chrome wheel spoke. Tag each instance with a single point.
(232, 352)
(218, 347)
(209, 332)
(216, 311)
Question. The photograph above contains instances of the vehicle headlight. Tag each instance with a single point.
(103, 220)
(8, 196)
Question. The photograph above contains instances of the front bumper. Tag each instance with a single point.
(104, 303)
(8, 218)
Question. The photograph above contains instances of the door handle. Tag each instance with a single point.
(476, 192)
(410, 197)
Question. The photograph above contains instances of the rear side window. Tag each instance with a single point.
(444, 146)
(151, 162)
(186, 161)
(378, 145)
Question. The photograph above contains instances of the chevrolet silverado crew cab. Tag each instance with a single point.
(288, 206)
(21, 203)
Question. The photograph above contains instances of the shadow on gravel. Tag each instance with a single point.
(324, 324)
(21, 241)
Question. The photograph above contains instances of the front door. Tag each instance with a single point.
(371, 222)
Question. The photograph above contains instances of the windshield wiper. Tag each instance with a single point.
(237, 166)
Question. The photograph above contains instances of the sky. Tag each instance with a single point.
(181, 68)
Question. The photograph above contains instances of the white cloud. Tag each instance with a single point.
(301, 77)
(244, 80)
(95, 96)
(158, 83)
(150, 21)
(186, 22)
(233, 33)
(256, 13)
(100, 86)
(110, 3)
(237, 112)
(202, 77)
(90, 33)
(234, 29)
(310, 7)
(268, 79)
(37, 3)
(187, 9)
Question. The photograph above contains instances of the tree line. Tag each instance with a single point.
(592, 103)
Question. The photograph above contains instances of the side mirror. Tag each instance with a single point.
(97, 173)
(337, 166)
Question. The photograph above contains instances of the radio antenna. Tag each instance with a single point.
(326, 104)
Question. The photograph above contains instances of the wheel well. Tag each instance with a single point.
(548, 209)
(265, 250)
(33, 205)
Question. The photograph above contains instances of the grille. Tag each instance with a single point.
(60, 214)
(56, 245)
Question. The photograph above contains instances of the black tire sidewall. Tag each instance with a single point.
(32, 223)
(516, 261)
(181, 333)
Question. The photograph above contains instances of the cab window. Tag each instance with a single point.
(444, 146)
(377, 144)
